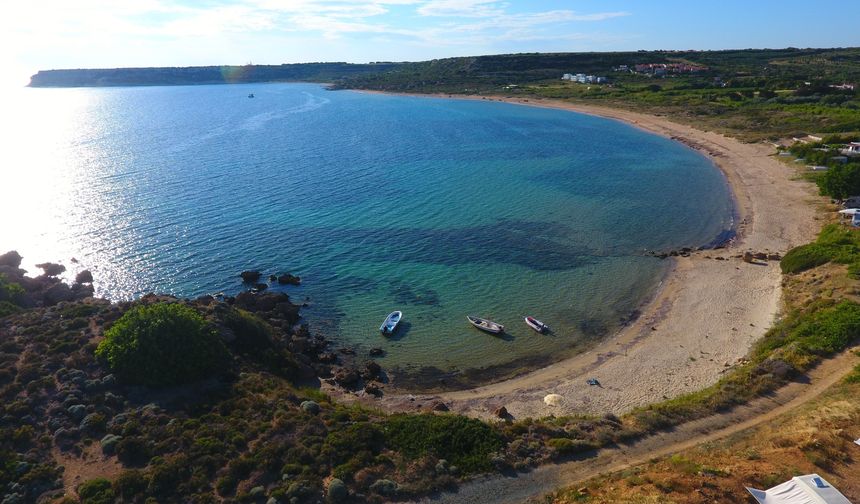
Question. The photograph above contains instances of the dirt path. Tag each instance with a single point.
(545, 479)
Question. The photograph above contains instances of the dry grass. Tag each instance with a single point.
(815, 438)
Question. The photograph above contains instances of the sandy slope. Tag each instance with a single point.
(706, 316)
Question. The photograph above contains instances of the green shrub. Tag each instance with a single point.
(804, 257)
(835, 243)
(10, 291)
(464, 442)
(96, 491)
(133, 451)
(854, 375)
(252, 334)
(829, 330)
(162, 344)
(7, 308)
(840, 181)
(129, 484)
(566, 446)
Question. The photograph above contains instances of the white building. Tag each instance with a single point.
(852, 149)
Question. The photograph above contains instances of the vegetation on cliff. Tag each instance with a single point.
(162, 344)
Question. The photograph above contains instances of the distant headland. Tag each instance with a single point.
(178, 76)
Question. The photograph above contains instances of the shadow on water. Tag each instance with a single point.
(402, 331)
(405, 294)
(534, 245)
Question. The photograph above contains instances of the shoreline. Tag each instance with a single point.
(704, 317)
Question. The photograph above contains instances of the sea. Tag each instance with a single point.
(437, 207)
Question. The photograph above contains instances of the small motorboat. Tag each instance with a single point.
(250, 95)
(485, 325)
(537, 325)
(390, 325)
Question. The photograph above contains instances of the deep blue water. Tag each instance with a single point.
(437, 207)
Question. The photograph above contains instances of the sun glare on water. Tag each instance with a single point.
(43, 151)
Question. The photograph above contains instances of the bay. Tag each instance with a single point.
(436, 207)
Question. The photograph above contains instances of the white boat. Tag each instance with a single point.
(537, 325)
(485, 325)
(391, 321)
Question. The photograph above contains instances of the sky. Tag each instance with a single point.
(50, 34)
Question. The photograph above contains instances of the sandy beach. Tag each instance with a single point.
(710, 309)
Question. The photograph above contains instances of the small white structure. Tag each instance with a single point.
(852, 149)
(806, 489)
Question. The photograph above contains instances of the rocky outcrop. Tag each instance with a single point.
(51, 269)
(11, 259)
(347, 377)
(250, 276)
(84, 276)
(372, 370)
(288, 279)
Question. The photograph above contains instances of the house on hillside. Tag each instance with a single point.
(584, 79)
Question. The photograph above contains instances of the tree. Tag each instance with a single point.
(840, 181)
(162, 344)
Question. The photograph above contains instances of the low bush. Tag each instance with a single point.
(96, 491)
(465, 442)
(162, 344)
(805, 257)
(835, 243)
(7, 308)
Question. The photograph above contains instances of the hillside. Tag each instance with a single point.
(751, 94)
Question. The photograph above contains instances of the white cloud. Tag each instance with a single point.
(462, 8)
(63, 34)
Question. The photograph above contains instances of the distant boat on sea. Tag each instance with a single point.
(250, 95)
(485, 325)
(537, 325)
(390, 324)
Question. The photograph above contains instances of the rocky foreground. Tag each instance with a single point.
(257, 429)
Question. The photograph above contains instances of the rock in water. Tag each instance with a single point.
(84, 277)
(288, 279)
(250, 276)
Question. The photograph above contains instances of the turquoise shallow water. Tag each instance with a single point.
(436, 207)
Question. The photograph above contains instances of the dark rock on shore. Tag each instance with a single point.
(371, 370)
(250, 276)
(261, 286)
(347, 377)
(276, 304)
(376, 352)
(439, 406)
(51, 269)
(11, 259)
(84, 276)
